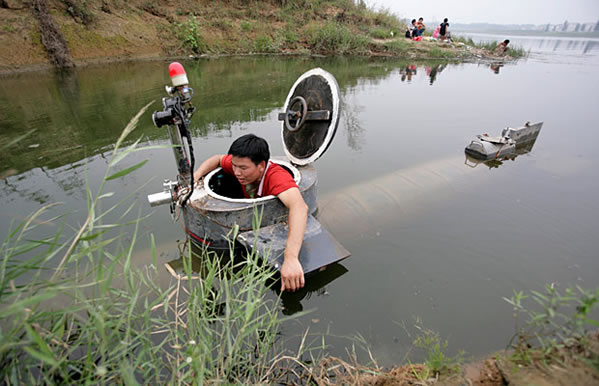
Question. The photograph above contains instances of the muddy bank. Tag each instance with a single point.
(574, 364)
(100, 31)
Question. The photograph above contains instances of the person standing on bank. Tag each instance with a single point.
(248, 160)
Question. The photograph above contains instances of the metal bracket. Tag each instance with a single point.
(317, 115)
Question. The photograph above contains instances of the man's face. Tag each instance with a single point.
(246, 171)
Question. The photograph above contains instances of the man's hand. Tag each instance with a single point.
(207, 166)
(292, 274)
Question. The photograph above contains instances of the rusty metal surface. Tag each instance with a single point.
(212, 218)
(319, 248)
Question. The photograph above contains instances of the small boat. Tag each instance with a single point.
(486, 147)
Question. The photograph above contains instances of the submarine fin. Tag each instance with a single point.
(319, 248)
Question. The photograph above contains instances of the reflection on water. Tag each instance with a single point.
(351, 123)
(495, 163)
(544, 44)
(315, 284)
(495, 67)
(80, 114)
(408, 71)
(433, 71)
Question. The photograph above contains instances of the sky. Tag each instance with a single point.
(494, 12)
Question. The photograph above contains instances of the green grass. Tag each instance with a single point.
(337, 38)
(265, 44)
(555, 320)
(437, 360)
(381, 33)
(397, 47)
(247, 26)
(436, 52)
(491, 47)
(74, 309)
(190, 36)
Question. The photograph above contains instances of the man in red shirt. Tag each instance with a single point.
(248, 161)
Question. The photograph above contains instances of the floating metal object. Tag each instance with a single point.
(218, 214)
(485, 147)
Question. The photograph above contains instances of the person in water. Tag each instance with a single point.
(502, 47)
(248, 160)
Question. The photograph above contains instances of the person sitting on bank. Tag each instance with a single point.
(444, 33)
(420, 27)
(411, 29)
(248, 160)
(502, 47)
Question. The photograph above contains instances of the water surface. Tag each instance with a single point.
(439, 241)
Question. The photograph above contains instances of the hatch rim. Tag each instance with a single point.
(334, 87)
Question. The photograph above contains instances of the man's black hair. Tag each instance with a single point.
(506, 41)
(445, 20)
(413, 21)
(252, 147)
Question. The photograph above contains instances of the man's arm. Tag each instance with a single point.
(207, 166)
(292, 274)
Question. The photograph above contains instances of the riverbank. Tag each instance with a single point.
(101, 31)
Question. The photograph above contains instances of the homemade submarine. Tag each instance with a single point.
(215, 212)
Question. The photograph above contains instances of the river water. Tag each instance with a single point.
(439, 242)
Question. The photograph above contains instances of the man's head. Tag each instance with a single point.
(413, 21)
(420, 20)
(506, 41)
(445, 20)
(250, 155)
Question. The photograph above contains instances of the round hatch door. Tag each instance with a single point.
(310, 117)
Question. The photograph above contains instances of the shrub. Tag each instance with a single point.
(190, 35)
(437, 361)
(337, 38)
(247, 26)
(79, 10)
(437, 52)
(265, 44)
(381, 33)
(557, 320)
(397, 47)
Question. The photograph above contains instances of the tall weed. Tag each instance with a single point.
(559, 319)
(74, 309)
(334, 37)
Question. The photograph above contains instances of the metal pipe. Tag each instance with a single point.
(180, 153)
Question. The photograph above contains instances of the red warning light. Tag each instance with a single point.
(177, 74)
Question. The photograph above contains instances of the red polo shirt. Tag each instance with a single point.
(276, 179)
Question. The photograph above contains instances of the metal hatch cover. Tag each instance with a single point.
(311, 116)
(319, 248)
